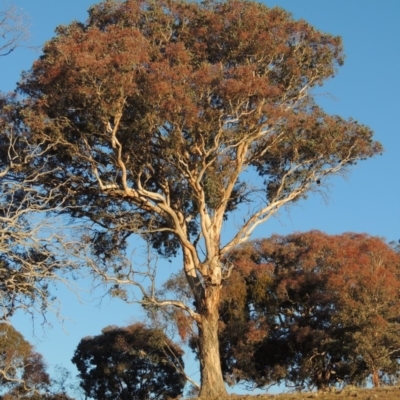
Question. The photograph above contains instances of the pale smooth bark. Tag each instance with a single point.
(212, 382)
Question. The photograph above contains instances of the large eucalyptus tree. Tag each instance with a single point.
(162, 117)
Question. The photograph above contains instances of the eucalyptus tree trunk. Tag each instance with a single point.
(205, 281)
(212, 382)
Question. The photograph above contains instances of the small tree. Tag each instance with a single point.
(160, 114)
(318, 310)
(132, 363)
(22, 370)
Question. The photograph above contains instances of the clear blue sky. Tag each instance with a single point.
(366, 88)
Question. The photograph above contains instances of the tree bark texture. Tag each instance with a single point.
(212, 382)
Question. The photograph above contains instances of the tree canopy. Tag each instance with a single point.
(131, 363)
(148, 116)
(312, 310)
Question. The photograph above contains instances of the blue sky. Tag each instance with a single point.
(366, 88)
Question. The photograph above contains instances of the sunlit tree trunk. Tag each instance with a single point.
(212, 383)
(375, 377)
(206, 291)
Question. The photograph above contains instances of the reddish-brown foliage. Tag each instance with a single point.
(328, 312)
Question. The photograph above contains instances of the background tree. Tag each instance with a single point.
(156, 140)
(318, 310)
(135, 363)
(22, 370)
(368, 308)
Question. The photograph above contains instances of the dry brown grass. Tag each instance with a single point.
(384, 393)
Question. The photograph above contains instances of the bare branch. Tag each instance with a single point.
(126, 276)
(13, 28)
(180, 369)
